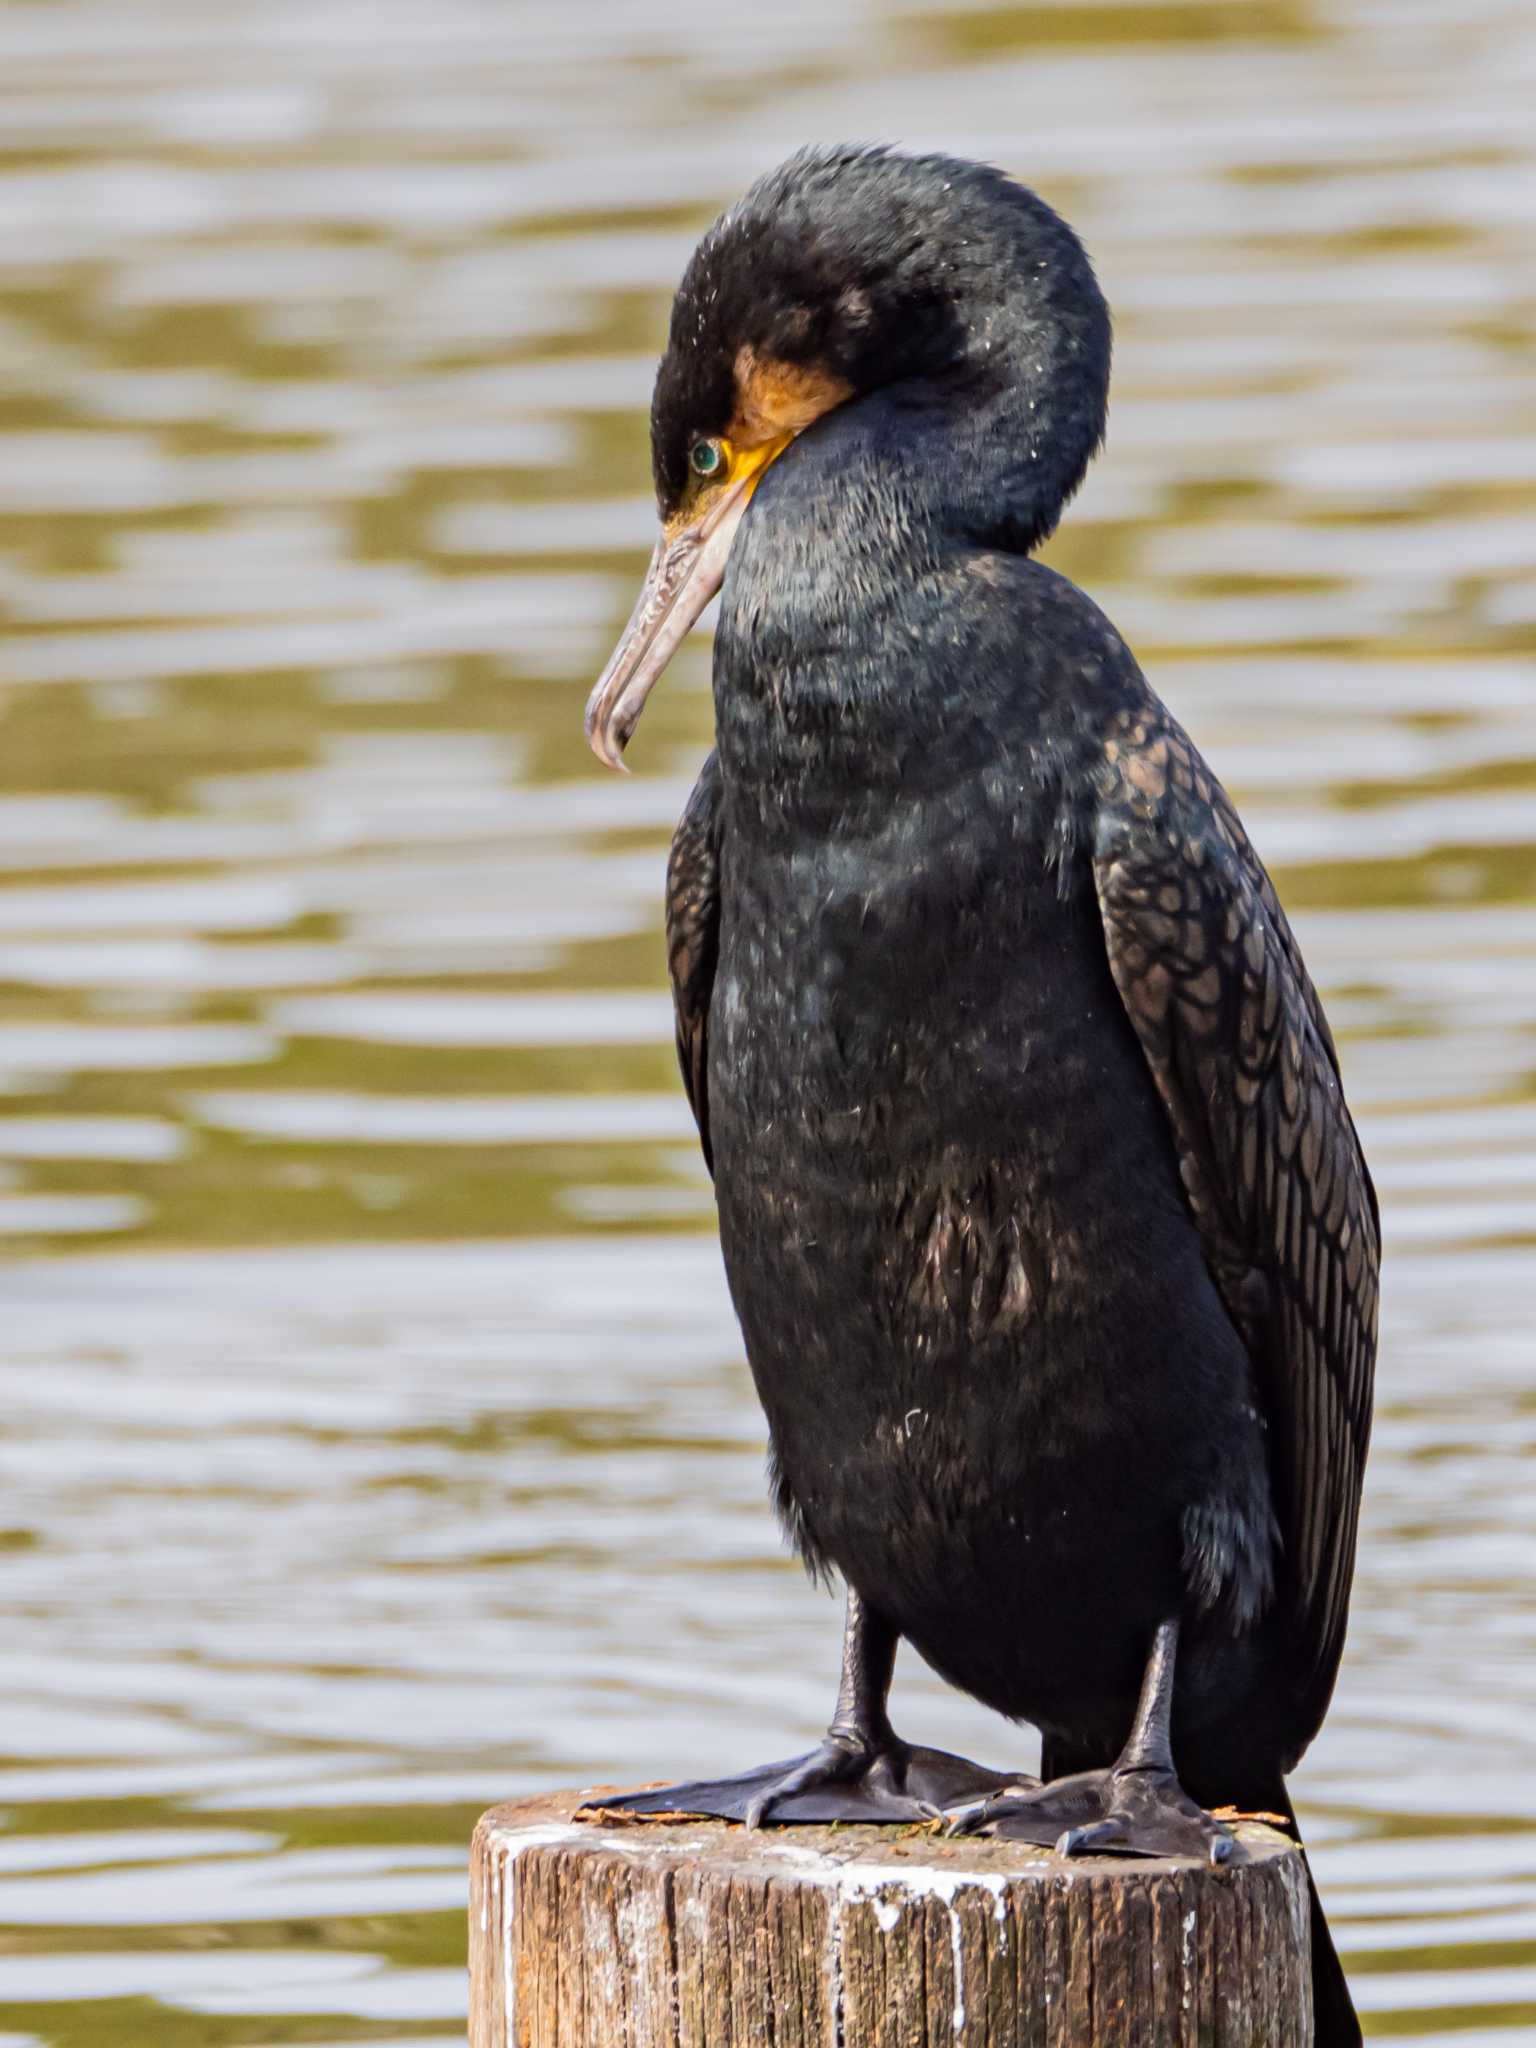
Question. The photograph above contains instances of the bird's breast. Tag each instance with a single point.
(949, 1206)
(913, 1049)
(924, 1090)
(876, 991)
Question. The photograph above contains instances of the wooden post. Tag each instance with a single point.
(695, 1934)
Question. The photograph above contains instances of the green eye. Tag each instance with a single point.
(706, 458)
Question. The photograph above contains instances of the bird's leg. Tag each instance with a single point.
(860, 1771)
(860, 1742)
(1137, 1807)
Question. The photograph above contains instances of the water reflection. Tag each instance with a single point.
(383, 1444)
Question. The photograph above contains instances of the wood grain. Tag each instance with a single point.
(698, 1935)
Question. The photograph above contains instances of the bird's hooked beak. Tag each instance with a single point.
(686, 570)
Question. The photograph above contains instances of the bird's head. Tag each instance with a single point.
(944, 288)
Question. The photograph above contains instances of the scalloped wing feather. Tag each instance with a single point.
(1239, 1048)
(693, 938)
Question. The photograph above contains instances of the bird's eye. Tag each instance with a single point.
(706, 458)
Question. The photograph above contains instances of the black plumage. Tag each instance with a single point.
(1051, 1239)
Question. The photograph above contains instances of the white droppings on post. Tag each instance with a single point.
(792, 1852)
(959, 1964)
(508, 1847)
(862, 1880)
(1298, 1899)
(508, 1953)
(638, 1927)
(835, 1964)
(1187, 1958)
(868, 1881)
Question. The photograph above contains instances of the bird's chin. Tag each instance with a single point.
(686, 570)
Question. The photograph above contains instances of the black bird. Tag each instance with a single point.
(1047, 1226)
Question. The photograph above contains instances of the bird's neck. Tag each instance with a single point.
(869, 634)
(837, 687)
(950, 682)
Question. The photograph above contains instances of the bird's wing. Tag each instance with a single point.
(693, 937)
(1235, 1036)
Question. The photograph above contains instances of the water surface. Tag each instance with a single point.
(375, 1439)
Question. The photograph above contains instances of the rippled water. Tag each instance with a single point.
(375, 1440)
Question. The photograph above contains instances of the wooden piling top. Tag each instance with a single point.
(610, 1933)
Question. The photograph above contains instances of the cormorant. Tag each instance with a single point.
(1048, 1229)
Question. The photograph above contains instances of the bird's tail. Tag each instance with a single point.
(1335, 2021)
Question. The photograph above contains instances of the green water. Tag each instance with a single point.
(375, 1441)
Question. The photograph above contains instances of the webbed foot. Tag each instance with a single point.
(1136, 1811)
(843, 1779)
(1137, 1808)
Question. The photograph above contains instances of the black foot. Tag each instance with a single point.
(837, 1781)
(1144, 1812)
